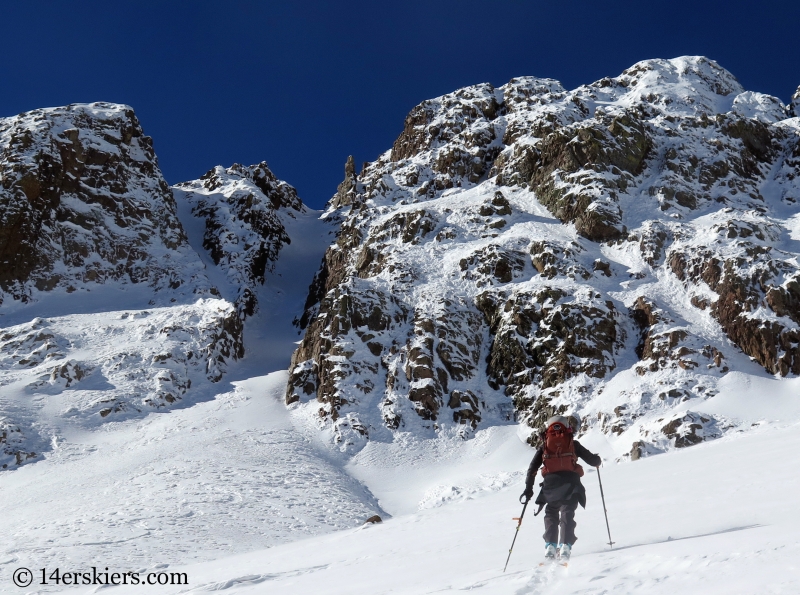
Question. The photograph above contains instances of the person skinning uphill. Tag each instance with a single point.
(562, 489)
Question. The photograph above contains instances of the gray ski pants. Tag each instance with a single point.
(566, 523)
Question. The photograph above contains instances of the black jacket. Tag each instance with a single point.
(562, 486)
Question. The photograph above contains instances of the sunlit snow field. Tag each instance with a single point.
(241, 473)
(717, 518)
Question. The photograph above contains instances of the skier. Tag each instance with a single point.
(562, 489)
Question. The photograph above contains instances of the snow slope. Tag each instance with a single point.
(719, 518)
(238, 473)
(84, 370)
(225, 475)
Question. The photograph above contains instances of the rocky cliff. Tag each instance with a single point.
(524, 250)
(84, 204)
(242, 213)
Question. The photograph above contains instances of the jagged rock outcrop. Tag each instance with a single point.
(14, 445)
(83, 204)
(347, 191)
(614, 249)
(242, 211)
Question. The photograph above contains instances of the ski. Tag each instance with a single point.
(554, 562)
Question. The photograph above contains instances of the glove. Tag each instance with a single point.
(526, 495)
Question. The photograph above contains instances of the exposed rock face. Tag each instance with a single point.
(14, 446)
(530, 245)
(84, 203)
(241, 209)
(667, 346)
(757, 284)
(347, 191)
(546, 337)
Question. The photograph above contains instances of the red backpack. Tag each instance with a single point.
(559, 450)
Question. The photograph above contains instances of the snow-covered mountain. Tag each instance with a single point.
(109, 309)
(194, 293)
(629, 249)
(615, 249)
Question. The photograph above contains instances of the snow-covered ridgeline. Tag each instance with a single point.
(89, 226)
(615, 249)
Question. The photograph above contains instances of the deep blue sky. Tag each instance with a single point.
(303, 84)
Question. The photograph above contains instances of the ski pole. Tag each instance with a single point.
(605, 512)
(515, 533)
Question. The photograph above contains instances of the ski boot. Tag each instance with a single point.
(564, 551)
(549, 551)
